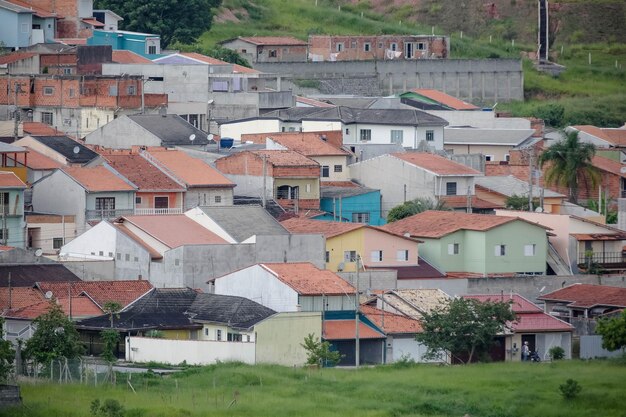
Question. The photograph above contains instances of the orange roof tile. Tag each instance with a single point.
(330, 229)
(40, 129)
(519, 304)
(346, 330)
(142, 173)
(36, 160)
(615, 136)
(307, 145)
(214, 61)
(286, 158)
(391, 323)
(175, 230)
(436, 164)
(608, 165)
(80, 307)
(445, 99)
(192, 171)
(587, 296)
(273, 40)
(436, 224)
(19, 297)
(306, 279)
(9, 180)
(39, 12)
(97, 179)
(128, 57)
(14, 57)
(122, 292)
(93, 22)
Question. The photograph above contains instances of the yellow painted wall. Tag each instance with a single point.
(337, 245)
(176, 334)
(20, 172)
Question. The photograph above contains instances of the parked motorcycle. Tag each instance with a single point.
(534, 356)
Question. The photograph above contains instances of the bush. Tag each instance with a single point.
(570, 389)
(319, 353)
(552, 114)
(556, 353)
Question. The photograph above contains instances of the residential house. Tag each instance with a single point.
(157, 192)
(109, 19)
(581, 243)
(61, 149)
(49, 232)
(13, 227)
(494, 144)
(9, 156)
(24, 24)
(268, 48)
(602, 137)
(332, 137)
(498, 189)
(288, 177)
(429, 99)
(285, 287)
(147, 130)
(350, 202)
(89, 194)
(206, 186)
(542, 331)
(36, 164)
(402, 177)
(380, 47)
(144, 44)
(479, 244)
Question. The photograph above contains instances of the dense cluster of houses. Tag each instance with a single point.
(230, 219)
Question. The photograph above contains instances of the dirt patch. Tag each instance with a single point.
(228, 15)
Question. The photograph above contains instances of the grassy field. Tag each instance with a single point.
(486, 390)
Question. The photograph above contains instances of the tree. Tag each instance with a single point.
(613, 332)
(7, 355)
(412, 207)
(569, 161)
(319, 353)
(174, 20)
(112, 308)
(55, 337)
(519, 202)
(110, 338)
(464, 327)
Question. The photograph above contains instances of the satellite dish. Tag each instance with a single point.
(48, 295)
(192, 137)
(210, 136)
(38, 252)
(76, 149)
(539, 210)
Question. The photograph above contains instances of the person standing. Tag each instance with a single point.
(525, 352)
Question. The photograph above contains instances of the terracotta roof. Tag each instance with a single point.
(273, 40)
(36, 160)
(587, 296)
(97, 179)
(445, 99)
(391, 323)
(192, 171)
(154, 254)
(436, 164)
(306, 279)
(608, 165)
(286, 158)
(9, 180)
(175, 230)
(214, 61)
(80, 307)
(616, 137)
(20, 297)
(328, 229)
(122, 292)
(344, 184)
(460, 201)
(39, 12)
(598, 236)
(519, 303)
(40, 129)
(93, 22)
(14, 57)
(128, 57)
(307, 146)
(346, 330)
(312, 102)
(142, 173)
(539, 322)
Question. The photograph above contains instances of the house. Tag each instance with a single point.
(13, 227)
(381, 47)
(349, 245)
(49, 232)
(9, 154)
(288, 287)
(288, 177)
(268, 48)
(429, 99)
(402, 177)
(37, 165)
(89, 194)
(498, 189)
(581, 243)
(339, 329)
(602, 137)
(123, 293)
(481, 244)
(108, 19)
(350, 202)
(494, 144)
(147, 130)
(206, 186)
(61, 149)
(542, 331)
(25, 24)
(157, 192)
(237, 224)
(144, 44)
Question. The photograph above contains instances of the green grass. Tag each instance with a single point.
(487, 390)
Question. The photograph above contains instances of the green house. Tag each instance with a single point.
(479, 244)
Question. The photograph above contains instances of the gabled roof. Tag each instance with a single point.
(8, 180)
(588, 296)
(312, 102)
(154, 254)
(328, 228)
(445, 99)
(93, 22)
(460, 201)
(285, 158)
(101, 292)
(307, 145)
(28, 5)
(306, 279)
(614, 136)
(414, 302)
(508, 185)
(77, 306)
(39, 161)
(391, 323)
(272, 40)
(174, 230)
(331, 191)
(16, 56)
(97, 179)
(480, 136)
(242, 222)
(436, 164)
(27, 275)
(121, 56)
(18, 297)
(192, 171)
(214, 61)
(346, 330)
(519, 304)
(609, 165)
(66, 147)
(237, 312)
(436, 224)
(40, 129)
(142, 173)
(171, 129)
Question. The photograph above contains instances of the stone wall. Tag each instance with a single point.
(9, 395)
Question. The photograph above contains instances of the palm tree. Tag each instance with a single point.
(570, 162)
(412, 207)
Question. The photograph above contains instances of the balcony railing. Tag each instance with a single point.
(602, 258)
(623, 194)
(108, 214)
(157, 211)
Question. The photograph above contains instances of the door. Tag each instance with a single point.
(408, 50)
(530, 338)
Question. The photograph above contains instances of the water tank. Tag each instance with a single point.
(226, 142)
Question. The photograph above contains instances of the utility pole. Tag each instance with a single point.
(5, 206)
(16, 114)
(357, 341)
(530, 182)
(264, 179)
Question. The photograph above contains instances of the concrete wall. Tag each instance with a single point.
(484, 81)
(235, 130)
(122, 133)
(481, 119)
(374, 280)
(46, 197)
(405, 346)
(412, 136)
(93, 270)
(196, 352)
(591, 348)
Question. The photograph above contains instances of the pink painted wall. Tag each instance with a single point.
(376, 240)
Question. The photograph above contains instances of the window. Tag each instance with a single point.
(218, 334)
(136, 259)
(71, 92)
(137, 200)
(430, 135)
(360, 217)
(365, 134)
(529, 250)
(218, 199)
(106, 206)
(453, 248)
(118, 256)
(161, 202)
(112, 90)
(349, 256)
(488, 158)
(340, 47)
(507, 157)
(327, 257)
(380, 45)
(402, 255)
(367, 46)
(234, 337)
(48, 91)
(152, 49)
(338, 168)
(325, 171)
(111, 255)
(394, 46)
(451, 188)
(206, 331)
(272, 53)
(176, 262)
(127, 257)
(67, 71)
(377, 256)
(131, 90)
(4, 202)
(57, 242)
(347, 131)
(421, 46)
(396, 137)
(500, 250)
(353, 44)
(100, 253)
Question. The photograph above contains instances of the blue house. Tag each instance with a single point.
(12, 225)
(351, 204)
(22, 26)
(145, 44)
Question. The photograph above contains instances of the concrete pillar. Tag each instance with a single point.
(470, 83)
(482, 86)
(621, 213)
(458, 84)
(495, 86)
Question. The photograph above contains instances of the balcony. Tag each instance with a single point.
(604, 259)
(158, 211)
(107, 214)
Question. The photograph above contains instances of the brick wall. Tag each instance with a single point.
(296, 172)
(243, 163)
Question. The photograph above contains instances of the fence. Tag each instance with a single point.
(591, 347)
(88, 371)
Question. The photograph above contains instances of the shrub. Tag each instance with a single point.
(556, 353)
(552, 114)
(319, 353)
(570, 389)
